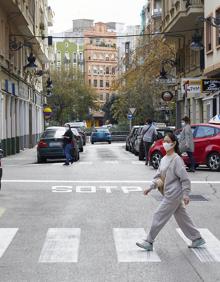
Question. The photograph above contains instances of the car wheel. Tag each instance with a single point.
(155, 159)
(92, 142)
(41, 159)
(109, 142)
(214, 161)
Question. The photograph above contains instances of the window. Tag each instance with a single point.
(113, 70)
(95, 83)
(94, 57)
(217, 15)
(101, 71)
(205, 131)
(209, 30)
(90, 82)
(107, 70)
(101, 83)
(95, 71)
(80, 57)
(107, 84)
(107, 57)
(101, 97)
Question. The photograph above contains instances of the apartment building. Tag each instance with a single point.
(21, 99)
(212, 59)
(179, 21)
(100, 54)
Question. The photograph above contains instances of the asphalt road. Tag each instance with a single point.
(80, 223)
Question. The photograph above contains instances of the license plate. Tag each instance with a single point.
(55, 144)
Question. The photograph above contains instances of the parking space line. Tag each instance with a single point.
(210, 252)
(6, 237)
(127, 251)
(61, 245)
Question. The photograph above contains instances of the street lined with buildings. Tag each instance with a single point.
(81, 223)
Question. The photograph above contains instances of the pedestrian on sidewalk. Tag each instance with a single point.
(172, 176)
(149, 132)
(186, 142)
(68, 145)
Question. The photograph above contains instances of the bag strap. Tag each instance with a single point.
(169, 166)
(147, 130)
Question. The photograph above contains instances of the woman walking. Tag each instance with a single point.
(173, 177)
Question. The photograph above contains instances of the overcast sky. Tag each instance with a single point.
(125, 11)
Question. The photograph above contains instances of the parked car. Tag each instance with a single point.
(139, 145)
(206, 138)
(1, 155)
(78, 137)
(51, 145)
(100, 134)
(130, 138)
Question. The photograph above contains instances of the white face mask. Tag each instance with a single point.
(183, 123)
(168, 146)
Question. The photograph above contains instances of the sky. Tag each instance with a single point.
(124, 11)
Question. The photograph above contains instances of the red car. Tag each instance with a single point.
(206, 138)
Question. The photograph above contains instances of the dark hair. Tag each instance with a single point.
(149, 121)
(173, 137)
(186, 119)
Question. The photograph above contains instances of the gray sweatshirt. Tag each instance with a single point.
(177, 182)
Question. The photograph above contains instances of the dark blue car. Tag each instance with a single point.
(101, 135)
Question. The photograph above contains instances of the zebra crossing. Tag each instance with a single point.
(62, 245)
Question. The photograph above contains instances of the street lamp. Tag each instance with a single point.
(211, 20)
(196, 44)
(31, 67)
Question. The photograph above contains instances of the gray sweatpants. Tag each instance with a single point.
(166, 209)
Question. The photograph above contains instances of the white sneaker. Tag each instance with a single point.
(145, 245)
(197, 243)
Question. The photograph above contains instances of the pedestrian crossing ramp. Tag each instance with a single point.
(62, 245)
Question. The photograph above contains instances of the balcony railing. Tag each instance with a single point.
(180, 6)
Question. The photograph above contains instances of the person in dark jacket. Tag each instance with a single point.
(68, 145)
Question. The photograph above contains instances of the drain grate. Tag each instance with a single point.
(193, 198)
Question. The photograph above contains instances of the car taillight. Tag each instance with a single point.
(42, 144)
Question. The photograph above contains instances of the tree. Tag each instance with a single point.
(138, 87)
(71, 98)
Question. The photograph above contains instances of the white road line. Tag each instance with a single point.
(6, 236)
(93, 181)
(127, 251)
(61, 245)
(210, 252)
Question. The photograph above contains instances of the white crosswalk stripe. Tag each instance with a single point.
(127, 251)
(210, 252)
(61, 245)
(6, 237)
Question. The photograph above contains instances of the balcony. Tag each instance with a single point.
(182, 15)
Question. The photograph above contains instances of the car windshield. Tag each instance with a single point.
(53, 133)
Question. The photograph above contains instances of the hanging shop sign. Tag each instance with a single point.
(47, 112)
(210, 85)
(167, 96)
(191, 85)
